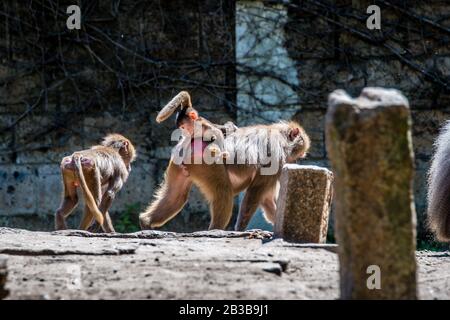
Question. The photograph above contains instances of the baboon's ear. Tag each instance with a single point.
(294, 133)
(124, 146)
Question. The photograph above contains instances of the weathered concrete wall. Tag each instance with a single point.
(91, 86)
(266, 76)
(315, 49)
(334, 52)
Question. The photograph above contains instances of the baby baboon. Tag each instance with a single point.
(101, 172)
(195, 127)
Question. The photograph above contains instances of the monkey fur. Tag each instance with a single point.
(102, 167)
(186, 119)
(438, 215)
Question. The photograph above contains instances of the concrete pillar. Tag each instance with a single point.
(303, 204)
(370, 149)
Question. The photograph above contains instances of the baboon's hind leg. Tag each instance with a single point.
(169, 199)
(215, 184)
(221, 208)
(68, 203)
(247, 209)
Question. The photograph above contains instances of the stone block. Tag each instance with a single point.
(303, 204)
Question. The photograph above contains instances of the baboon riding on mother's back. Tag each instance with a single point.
(254, 158)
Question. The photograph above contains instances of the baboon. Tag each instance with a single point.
(439, 187)
(244, 170)
(100, 171)
(194, 127)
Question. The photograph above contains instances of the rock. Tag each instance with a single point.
(283, 264)
(303, 204)
(369, 144)
(3, 275)
(273, 268)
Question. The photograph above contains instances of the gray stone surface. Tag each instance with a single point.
(165, 265)
(304, 202)
(202, 265)
(370, 149)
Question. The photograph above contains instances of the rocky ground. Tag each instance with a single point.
(164, 265)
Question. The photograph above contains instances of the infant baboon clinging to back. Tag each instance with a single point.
(104, 166)
(194, 127)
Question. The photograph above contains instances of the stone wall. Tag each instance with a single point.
(325, 46)
(246, 61)
(334, 50)
(266, 74)
(61, 91)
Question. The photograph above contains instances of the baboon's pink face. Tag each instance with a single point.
(187, 124)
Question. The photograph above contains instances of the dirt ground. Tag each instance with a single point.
(202, 265)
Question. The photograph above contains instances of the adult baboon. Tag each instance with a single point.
(256, 156)
(106, 165)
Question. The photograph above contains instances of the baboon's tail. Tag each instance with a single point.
(88, 198)
(183, 99)
(439, 187)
